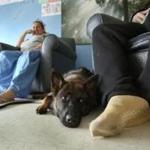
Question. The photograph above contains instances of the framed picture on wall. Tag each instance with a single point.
(75, 14)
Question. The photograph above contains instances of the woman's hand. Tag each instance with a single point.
(39, 46)
(140, 16)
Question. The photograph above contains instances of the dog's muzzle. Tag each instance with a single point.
(71, 121)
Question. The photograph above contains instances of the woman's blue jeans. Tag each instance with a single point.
(17, 71)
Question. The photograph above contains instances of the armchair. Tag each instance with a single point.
(138, 46)
(56, 53)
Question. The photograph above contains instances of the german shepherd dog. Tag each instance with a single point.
(72, 96)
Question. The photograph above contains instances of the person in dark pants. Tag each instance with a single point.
(124, 97)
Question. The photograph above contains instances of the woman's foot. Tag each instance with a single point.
(7, 96)
(119, 112)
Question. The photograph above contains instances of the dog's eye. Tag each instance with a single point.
(81, 100)
(63, 99)
(66, 98)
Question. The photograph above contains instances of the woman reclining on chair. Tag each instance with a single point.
(18, 68)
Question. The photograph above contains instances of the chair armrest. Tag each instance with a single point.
(98, 19)
(66, 47)
(4, 46)
(52, 44)
(139, 42)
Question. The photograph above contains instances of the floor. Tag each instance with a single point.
(22, 129)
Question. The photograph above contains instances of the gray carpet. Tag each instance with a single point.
(22, 129)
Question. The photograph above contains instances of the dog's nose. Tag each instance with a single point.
(71, 121)
(69, 118)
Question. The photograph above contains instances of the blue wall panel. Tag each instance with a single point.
(84, 53)
(16, 17)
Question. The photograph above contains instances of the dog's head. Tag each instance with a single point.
(72, 99)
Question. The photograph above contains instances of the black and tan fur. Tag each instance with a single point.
(72, 96)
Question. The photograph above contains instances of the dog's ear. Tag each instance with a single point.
(91, 83)
(57, 81)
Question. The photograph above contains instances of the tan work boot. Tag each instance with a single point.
(121, 111)
(6, 96)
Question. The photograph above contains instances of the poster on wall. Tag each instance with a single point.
(5, 2)
(75, 14)
(50, 7)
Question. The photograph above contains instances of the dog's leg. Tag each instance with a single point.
(42, 109)
(121, 111)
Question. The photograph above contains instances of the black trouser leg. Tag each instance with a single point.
(110, 44)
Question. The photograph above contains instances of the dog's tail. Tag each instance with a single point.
(139, 119)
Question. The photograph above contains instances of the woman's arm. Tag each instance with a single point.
(22, 37)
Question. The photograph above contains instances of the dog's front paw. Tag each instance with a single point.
(41, 110)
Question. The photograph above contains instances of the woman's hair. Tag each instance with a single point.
(41, 23)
